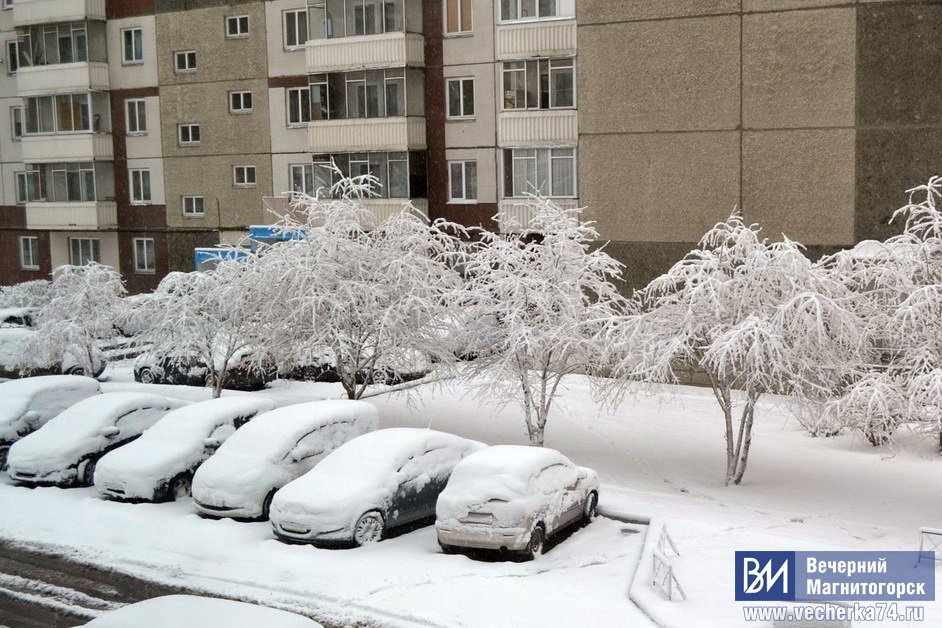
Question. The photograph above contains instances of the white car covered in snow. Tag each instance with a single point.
(193, 611)
(65, 450)
(27, 404)
(372, 484)
(11, 341)
(512, 498)
(241, 478)
(159, 465)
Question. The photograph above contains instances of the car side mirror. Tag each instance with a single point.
(582, 474)
(110, 431)
(30, 416)
(211, 443)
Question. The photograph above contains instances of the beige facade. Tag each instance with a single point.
(226, 205)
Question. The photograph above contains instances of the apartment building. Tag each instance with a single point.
(134, 133)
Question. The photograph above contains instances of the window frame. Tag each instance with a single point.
(464, 30)
(137, 102)
(462, 81)
(186, 57)
(536, 18)
(190, 142)
(94, 250)
(525, 69)
(7, 5)
(13, 56)
(284, 30)
(465, 199)
(37, 187)
(17, 111)
(138, 268)
(245, 170)
(237, 20)
(241, 93)
(124, 49)
(548, 159)
(140, 172)
(194, 213)
(33, 253)
(303, 122)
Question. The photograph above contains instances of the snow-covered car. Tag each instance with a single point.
(16, 317)
(193, 611)
(512, 498)
(11, 339)
(27, 404)
(159, 465)
(193, 371)
(65, 450)
(321, 366)
(241, 478)
(372, 484)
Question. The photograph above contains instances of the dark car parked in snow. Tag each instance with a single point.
(192, 371)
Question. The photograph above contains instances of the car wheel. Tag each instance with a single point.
(88, 474)
(368, 529)
(76, 370)
(146, 376)
(449, 549)
(590, 509)
(266, 504)
(535, 546)
(180, 488)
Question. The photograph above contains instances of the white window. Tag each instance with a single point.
(461, 98)
(83, 251)
(243, 176)
(133, 48)
(192, 205)
(136, 110)
(29, 252)
(185, 61)
(299, 105)
(188, 134)
(549, 171)
(528, 9)
(140, 186)
(13, 57)
(240, 102)
(539, 84)
(7, 4)
(237, 26)
(16, 119)
(462, 181)
(27, 187)
(295, 28)
(458, 16)
(144, 255)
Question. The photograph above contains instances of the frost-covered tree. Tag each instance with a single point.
(209, 315)
(82, 305)
(32, 294)
(755, 316)
(372, 294)
(535, 307)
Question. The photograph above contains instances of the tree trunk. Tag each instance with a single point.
(745, 438)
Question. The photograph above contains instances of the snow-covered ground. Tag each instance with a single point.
(658, 455)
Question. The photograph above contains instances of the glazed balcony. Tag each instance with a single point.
(366, 52)
(67, 147)
(538, 127)
(78, 216)
(28, 12)
(542, 38)
(367, 134)
(63, 78)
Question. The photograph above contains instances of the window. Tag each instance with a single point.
(528, 9)
(309, 178)
(140, 186)
(299, 105)
(461, 98)
(83, 251)
(188, 134)
(243, 176)
(65, 113)
(144, 261)
(295, 28)
(16, 119)
(7, 4)
(193, 206)
(458, 16)
(70, 183)
(13, 57)
(136, 116)
(400, 175)
(27, 187)
(550, 171)
(240, 102)
(360, 94)
(237, 26)
(346, 18)
(49, 44)
(185, 61)
(133, 50)
(29, 252)
(462, 181)
(539, 84)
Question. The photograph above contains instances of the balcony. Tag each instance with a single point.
(63, 78)
(41, 149)
(513, 214)
(367, 134)
(385, 208)
(78, 216)
(367, 52)
(28, 12)
(545, 38)
(538, 127)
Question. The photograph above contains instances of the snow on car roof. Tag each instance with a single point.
(29, 386)
(91, 414)
(15, 311)
(516, 460)
(385, 449)
(192, 611)
(272, 434)
(198, 419)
